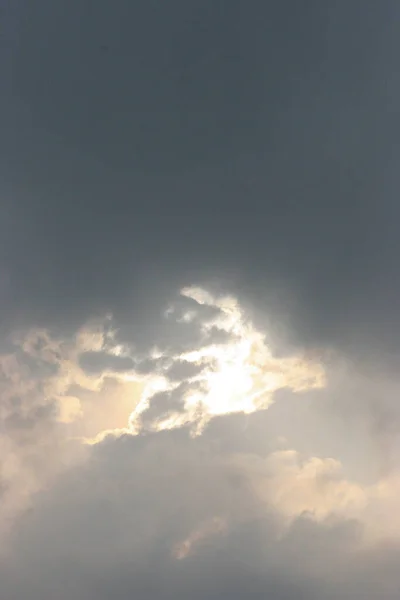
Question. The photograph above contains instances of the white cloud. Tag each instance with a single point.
(238, 374)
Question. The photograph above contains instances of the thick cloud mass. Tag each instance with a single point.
(147, 146)
(199, 290)
(208, 471)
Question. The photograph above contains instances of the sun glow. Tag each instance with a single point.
(239, 374)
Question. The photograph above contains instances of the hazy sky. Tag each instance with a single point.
(199, 299)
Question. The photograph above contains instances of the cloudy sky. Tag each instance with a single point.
(199, 299)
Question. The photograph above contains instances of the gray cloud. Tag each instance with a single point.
(183, 370)
(164, 404)
(244, 145)
(99, 362)
(113, 524)
(250, 148)
(227, 512)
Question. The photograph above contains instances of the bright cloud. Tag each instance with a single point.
(238, 374)
(91, 385)
(163, 455)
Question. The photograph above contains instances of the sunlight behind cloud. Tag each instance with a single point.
(238, 374)
(88, 386)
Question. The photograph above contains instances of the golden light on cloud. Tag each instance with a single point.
(316, 486)
(69, 409)
(210, 528)
(226, 368)
(239, 374)
(231, 370)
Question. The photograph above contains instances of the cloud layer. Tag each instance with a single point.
(199, 291)
(126, 471)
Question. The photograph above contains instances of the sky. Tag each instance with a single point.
(199, 299)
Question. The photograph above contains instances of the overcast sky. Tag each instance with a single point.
(199, 299)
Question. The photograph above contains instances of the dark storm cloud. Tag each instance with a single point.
(247, 146)
(147, 145)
